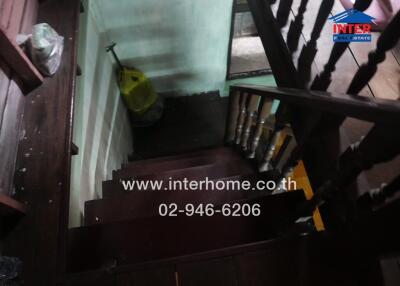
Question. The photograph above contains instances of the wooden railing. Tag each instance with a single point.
(314, 115)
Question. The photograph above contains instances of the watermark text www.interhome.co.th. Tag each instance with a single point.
(206, 184)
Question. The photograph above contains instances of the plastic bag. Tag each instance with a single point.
(45, 48)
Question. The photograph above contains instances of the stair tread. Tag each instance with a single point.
(277, 253)
(136, 204)
(147, 239)
(176, 162)
(212, 170)
(232, 169)
(188, 123)
(184, 155)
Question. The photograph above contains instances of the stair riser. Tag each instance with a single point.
(224, 151)
(141, 204)
(141, 169)
(149, 239)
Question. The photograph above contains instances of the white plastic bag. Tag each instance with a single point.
(45, 48)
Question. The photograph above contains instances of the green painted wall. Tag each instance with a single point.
(101, 126)
(182, 45)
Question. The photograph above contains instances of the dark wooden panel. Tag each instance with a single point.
(4, 87)
(19, 19)
(211, 170)
(11, 212)
(179, 162)
(137, 204)
(9, 206)
(30, 16)
(164, 276)
(218, 272)
(6, 7)
(162, 167)
(12, 54)
(278, 267)
(179, 156)
(115, 188)
(96, 278)
(40, 238)
(10, 136)
(15, 21)
(396, 53)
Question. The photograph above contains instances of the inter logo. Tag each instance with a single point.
(352, 26)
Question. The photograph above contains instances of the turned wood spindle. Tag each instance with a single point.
(309, 50)
(251, 113)
(380, 145)
(296, 27)
(387, 41)
(262, 117)
(379, 196)
(323, 80)
(242, 117)
(282, 15)
(234, 103)
(284, 152)
(271, 147)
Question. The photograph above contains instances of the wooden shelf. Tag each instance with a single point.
(13, 55)
(10, 207)
(10, 213)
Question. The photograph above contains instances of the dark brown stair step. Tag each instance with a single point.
(148, 239)
(115, 187)
(140, 204)
(212, 170)
(140, 168)
(213, 152)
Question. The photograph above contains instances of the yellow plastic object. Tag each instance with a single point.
(137, 91)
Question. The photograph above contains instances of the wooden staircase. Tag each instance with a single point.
(125, 227)
(125, 241)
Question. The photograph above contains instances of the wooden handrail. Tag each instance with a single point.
(364, 108)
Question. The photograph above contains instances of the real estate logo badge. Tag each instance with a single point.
(352, 26)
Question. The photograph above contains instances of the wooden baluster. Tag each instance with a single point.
(308, 125)
(380, 145)
(296, 27)
(282, 15)
(251, 113)
(378, 197)
(242, 117)
(288, 167)
(387, 41)
(231, 124)
(262, 117)
(284, 152)
(324, 79)
(271, 147)
(280, 122)
(310, 49)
